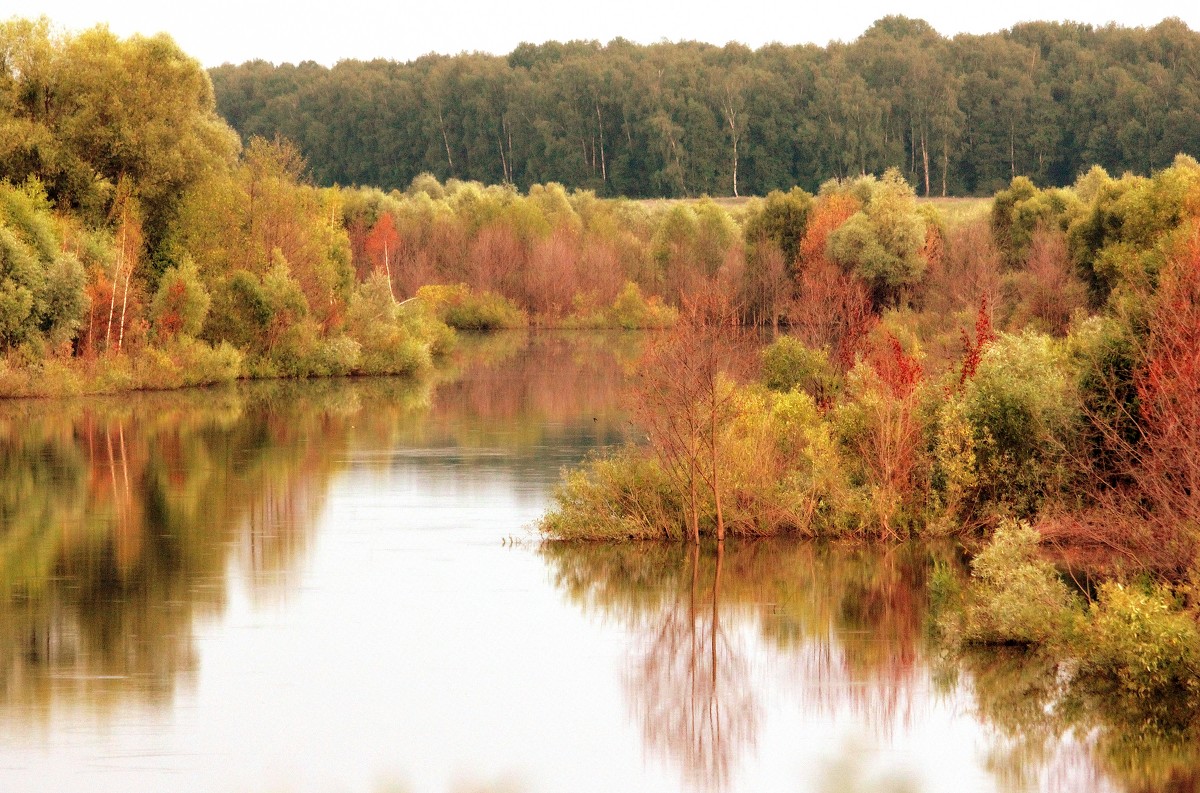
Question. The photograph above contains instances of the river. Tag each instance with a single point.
(334, 586)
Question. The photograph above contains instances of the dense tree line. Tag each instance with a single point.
(961, 115)
(141, 245)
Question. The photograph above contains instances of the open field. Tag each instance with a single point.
(954, 210)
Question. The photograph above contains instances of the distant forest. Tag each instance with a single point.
(958, 116)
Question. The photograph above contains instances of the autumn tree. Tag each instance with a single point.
(686, 400)
(382, 245)
(882, 243)
(43, 295)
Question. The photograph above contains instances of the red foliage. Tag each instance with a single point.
(966, 269)
(766, 284)
(973, 350)
(832, 309)
(384, 247)
(601, 275)
(170, 321)
(551, 277)
(1168, 388)
(901, 373)
(495, 259)
(1049, 291)
(890, 445)
(91, 335)
(934, 249)
(1152, 516)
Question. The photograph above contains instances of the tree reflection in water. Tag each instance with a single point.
(850, 631)
(1054, 730)
(689, 685)
(121, 519)
(849, 624)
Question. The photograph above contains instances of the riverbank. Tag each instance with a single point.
(1035, 428)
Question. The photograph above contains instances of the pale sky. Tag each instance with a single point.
(220, 31)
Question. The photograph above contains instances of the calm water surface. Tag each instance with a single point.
(314, 587)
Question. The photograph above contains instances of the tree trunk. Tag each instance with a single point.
(925, 161)
(731, 120)
(511, 165)
(387, 268)
(603, 164)
(124, 303)
(445, 141)
(694, 515)
(112, 300)
(1012, 148)
(503, 161)
(716, 475)
(945, 163)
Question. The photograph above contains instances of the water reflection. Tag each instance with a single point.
(853, 635)
(849, 623)
(1054, 730)
(122, 520)
(689, 682)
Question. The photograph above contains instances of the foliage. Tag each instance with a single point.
(622, 497)
(42, 288)
(782, 220)
(881, 427)
(460, 308)
(958, 116)
(389, 336)
(85, 111)
(631, 310)
(1142, 640)
(1016, 597)
(181, 303)
(789, 363)
(882, 243)
(1008, 432)
(1021, 211)
(1117, 242)
(778, 467)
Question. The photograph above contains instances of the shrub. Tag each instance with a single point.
(789, 363)
(624, 497)
(780, 219)
(1143, 641)
(240, 313)
(43, 293)
(882, 244)
(881, 428)
(833, 310)
(1021, 407)
(181, 302)
(1014, 596)
(182, 363)
(460, 308)
(301, 351)
(1019, 212)
(392, 339)
(630, 311)
(1047, 293)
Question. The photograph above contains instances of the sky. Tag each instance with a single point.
(233, 31)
